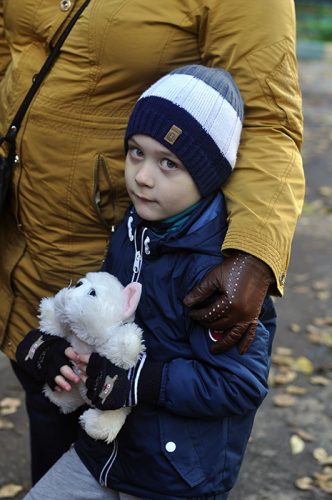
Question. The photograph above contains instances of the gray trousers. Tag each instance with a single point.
(69, 479)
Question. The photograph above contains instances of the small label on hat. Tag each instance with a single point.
(173, 133)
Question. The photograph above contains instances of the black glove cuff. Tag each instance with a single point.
(150, 382)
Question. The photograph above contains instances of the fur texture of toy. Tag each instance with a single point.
(97, 315)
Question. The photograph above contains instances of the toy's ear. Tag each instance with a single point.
(132, 294)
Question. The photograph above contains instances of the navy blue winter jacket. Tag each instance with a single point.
(191, 444)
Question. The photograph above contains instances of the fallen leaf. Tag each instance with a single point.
(312, 329)
(282, 360)
(10, 402)
(9, 405)
(326, 472)
(304, 483)
(9, 410)
(296, 390)
(325, 485)
(320, 285)
(303, 365)
(283, 400)
(321, 456)
(10, 490)
(321, 338)
(283, 351)
(293, 327)
(284, 377)
(323, 321)
(323, 295)
(305, 435)
(325, 191)
(6, 424)
(319, 380)
(297, 444)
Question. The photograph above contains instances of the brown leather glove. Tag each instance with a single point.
(243, 282)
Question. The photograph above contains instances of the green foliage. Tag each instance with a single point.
(314, 20)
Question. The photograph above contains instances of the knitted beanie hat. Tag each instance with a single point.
(197, 113)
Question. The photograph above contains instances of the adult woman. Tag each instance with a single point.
(68, 187)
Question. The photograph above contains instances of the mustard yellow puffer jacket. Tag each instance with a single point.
(68, 183)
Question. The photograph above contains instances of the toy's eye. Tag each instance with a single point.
(79, 283)
(92, 292)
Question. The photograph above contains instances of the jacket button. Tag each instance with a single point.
(170, 447)
(65, 5)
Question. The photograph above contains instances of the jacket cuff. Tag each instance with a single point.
(145, 382)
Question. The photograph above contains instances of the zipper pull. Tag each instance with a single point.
(137, 262)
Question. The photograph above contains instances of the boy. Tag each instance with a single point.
(192, 411)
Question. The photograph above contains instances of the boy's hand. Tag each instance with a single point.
(67, 373)
(242, 281)
(108, 385)
(47, 358)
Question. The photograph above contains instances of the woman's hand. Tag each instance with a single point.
(242, 282)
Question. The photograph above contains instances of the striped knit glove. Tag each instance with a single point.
(111, 387)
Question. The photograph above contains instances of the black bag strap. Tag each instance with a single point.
(16, 123)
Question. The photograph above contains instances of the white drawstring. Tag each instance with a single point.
(138, 261)
(130, 230)
(146, 245)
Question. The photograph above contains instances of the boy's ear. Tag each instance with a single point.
(132, 295)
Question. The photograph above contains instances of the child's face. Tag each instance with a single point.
(158, 183)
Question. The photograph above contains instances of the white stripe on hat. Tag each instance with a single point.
(212, 111)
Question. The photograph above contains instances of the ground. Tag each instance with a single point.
(295, 419)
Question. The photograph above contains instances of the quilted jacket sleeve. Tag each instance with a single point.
(255, 42)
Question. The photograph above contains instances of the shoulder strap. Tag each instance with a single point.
(16, 123)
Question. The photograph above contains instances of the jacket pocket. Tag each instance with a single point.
(104, 194)
(185, 443)
(280, 85)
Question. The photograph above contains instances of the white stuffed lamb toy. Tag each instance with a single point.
(97, 315)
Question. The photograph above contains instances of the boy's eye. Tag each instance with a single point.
(136, 152)
(168, 164)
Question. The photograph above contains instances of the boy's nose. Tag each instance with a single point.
(145, 175)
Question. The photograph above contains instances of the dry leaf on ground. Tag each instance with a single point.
(283, 400)
(303, 365)
(297, 444)
(284, 376)
(304, 483)
(305, 435)
(293, 327)
(296, 390)
(9, 405)
(10, 490)
(320, 454)
(6, 424)
(10, 402)
(319, 380)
